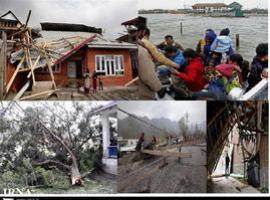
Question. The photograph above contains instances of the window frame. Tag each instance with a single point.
(110, 64)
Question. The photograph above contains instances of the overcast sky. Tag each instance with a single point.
(177, 4)
(107, 14)
(172, 110)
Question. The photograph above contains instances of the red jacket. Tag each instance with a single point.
(193, 75)
(227, 71)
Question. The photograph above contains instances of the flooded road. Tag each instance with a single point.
(253, 30)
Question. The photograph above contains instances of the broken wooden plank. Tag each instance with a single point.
(14, 74)
(22, 91)
(167, 154)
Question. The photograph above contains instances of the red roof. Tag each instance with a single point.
(72, 51)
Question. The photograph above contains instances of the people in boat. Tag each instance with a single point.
(193, 73)
(232, 72)
(178, 85)
(169, 41)
(156, 54)
(148, 82)
(176, 56)
(258, 65)
(221, 48)
(225, 81)
(204, 45)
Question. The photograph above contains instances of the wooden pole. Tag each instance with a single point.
(3, 65)
(181, 28)
(28, 17)
(237, 41)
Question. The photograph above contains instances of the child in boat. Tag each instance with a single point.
(221, 48)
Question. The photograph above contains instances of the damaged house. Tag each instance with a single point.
(61, 58)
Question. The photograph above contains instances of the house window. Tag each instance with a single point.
(110, 65)
(55, 69)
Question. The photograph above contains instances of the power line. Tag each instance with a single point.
(143, 121)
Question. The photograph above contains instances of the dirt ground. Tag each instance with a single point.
(155, 174)
(110, 93)
(229, 185)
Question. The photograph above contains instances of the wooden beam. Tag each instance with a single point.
(47, 93)
(28, 17)
(22, 91)
(28, 56)
(3, 65)
(216, 115)
(14, 74)
(132, 81)
(183, 144)
(167, 153)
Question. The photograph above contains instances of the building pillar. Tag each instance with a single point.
(105, 134)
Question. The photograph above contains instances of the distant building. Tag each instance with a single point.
(235, 6)
(209, 7)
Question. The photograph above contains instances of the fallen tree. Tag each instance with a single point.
(51, 135)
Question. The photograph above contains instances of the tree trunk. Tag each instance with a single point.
(76, 178)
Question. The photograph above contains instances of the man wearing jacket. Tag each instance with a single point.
(156, 54)
(259, 63)
(148, 82)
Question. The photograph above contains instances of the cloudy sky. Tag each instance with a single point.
(107, 14)
(177, 4)
(168, 109)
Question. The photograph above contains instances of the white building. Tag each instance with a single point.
(109, 159)
(209, 7)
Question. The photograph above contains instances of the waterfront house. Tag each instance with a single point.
(209, 7)
(235, 6)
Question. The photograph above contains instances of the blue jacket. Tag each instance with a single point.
(179, 59)
(222, 44)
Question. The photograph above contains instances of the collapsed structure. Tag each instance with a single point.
(58, 57)
(239, 130)
(170, 166)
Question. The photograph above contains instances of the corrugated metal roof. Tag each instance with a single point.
(100, 42)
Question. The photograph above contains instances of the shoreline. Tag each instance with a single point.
(203, 15)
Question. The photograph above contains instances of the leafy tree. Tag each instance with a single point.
(52, 137)
(183, 126)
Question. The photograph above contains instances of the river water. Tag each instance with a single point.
(253, 30)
